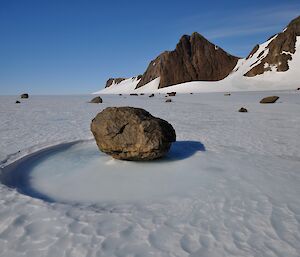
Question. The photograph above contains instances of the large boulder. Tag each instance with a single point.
(269, 100)
(129, 133)
(96, 100)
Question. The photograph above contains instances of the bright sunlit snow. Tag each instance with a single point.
(230, 186)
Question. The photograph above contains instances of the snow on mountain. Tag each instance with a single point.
(264, 69)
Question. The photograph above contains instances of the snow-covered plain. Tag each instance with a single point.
(230, 186)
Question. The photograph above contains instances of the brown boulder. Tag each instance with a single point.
(132, 134)
(269, 100)
(96, 100)
(194, 59)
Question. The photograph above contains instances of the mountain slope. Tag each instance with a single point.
(279, 51)
(272, 65)
(194, 58)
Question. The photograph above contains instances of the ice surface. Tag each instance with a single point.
(239, 197)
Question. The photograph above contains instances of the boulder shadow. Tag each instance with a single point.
(181, 150)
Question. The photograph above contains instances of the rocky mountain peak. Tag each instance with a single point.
(280, 50)
(194, 58)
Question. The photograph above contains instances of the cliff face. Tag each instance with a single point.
(279, 51)
(194, 58)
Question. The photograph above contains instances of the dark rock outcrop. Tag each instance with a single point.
(269, 100)
(132, 134)
(110, 81)
(194, 59)
(152, 95)
(96, 100)
(254, 50)
(24, 96)
(243, 110)
(227, 94)
(168, 100)
(18, 102)
(280, 50)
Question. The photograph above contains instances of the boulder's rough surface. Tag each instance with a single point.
(132, 134)
(194, 58)
(280, 51)
(269, 100)
(96, 100)
(24, 96)
(243, 110)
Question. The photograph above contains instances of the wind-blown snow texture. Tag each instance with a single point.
(236, 81)
(244, 193)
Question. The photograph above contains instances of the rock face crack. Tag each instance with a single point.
(121, 130)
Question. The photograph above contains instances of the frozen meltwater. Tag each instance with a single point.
(80, 173)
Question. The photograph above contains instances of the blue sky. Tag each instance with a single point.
(74, 46)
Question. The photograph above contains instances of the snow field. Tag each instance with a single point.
(241, 194)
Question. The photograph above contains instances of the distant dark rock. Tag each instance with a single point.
(129, 133)
(141, 93)
(24, 96)
(152, 95)
(254, 50)
(227, 94)
(191, 93)
(111, 81)
(96, 100)
(269, 100)
(194, 59)
(171, 94)
(134, 94)
(120, 94)
(243, 110)
(168, 100)
(298, 88)
(18, 102)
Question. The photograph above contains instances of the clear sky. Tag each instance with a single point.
(74, 46)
